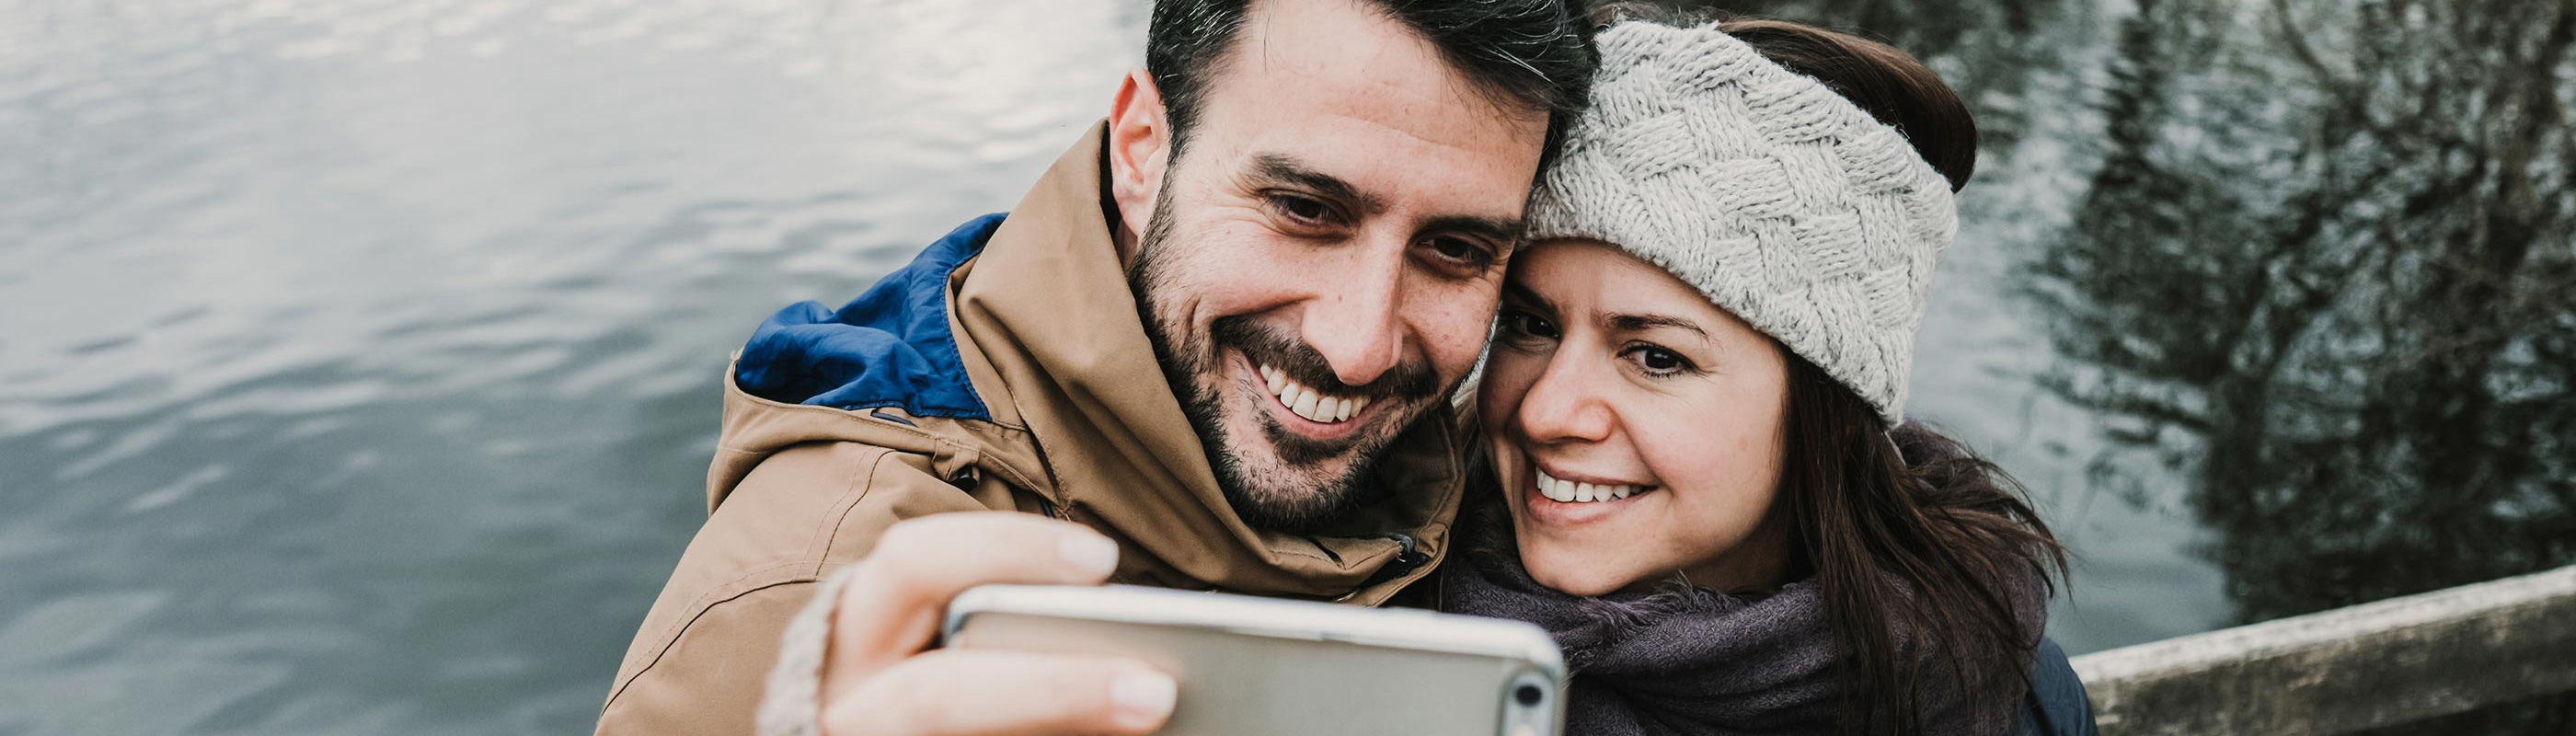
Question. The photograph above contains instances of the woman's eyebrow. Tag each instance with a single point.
(1642, 322)
(1515, 291)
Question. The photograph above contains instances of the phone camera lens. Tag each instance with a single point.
(1528, 695)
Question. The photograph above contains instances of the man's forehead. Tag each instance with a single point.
(1345, 98)
(1355, 45)
(1339, 59)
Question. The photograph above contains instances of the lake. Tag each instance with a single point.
(359, 359)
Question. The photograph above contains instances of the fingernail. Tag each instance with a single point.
(1144, 697)
(1090, 553)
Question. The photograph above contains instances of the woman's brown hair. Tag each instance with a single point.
(1923, 551)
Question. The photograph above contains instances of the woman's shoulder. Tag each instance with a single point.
(2057, 705)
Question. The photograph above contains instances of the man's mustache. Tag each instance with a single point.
(1409, 379)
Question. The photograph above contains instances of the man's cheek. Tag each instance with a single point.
(1454, 341)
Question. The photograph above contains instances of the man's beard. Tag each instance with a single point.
(1277, 501)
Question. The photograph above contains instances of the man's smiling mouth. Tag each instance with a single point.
(1306, 402)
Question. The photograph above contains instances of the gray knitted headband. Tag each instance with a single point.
(1786, 204)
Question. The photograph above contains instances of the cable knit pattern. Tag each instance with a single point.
(792, 705)
(1783, 202)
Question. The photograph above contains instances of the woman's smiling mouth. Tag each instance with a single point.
(1567, 491)
(1555, 501)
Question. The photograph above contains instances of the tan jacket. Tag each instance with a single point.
(1081, 426)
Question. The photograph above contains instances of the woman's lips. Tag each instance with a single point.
(1567, 491)
(1554, 501)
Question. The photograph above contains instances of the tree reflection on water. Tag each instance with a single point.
(2326, 269)
(2331, 248)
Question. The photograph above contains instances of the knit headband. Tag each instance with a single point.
(1784, 203)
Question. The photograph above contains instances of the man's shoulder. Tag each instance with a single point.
(809, 502)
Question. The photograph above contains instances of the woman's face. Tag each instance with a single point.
(1636, 428)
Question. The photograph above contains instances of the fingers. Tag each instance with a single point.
(892, 603)
(981, 692)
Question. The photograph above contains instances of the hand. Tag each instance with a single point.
(878, 681)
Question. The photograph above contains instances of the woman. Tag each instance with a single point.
(1703, 483)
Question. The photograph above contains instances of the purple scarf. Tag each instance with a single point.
(1685, 660)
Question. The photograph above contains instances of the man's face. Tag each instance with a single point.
(1327, 249)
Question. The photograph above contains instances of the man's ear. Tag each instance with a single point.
(1140, 146)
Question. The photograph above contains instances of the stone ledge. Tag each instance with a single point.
(2331, 672)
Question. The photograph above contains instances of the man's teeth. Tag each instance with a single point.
(1306, 403)
(1566, 491)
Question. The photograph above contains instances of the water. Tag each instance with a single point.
(359, 360)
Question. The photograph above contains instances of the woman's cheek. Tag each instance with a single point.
(1508, 376)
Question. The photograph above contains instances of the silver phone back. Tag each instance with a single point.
(1255, 667)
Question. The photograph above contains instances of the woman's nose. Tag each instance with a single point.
(1566, 405)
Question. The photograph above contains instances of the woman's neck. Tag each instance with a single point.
(1759, 565)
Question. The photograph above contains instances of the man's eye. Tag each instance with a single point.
(1301, 208)
(1461, 252)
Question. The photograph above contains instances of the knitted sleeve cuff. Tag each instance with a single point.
(792, 704)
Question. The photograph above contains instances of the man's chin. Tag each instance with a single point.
(1271, 493)
(1278, 479)
(1279, 499)
(1278, 513)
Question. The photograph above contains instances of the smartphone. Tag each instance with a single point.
(1259, 666)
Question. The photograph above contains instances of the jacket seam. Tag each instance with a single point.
(941, 440)
(1307, 555)
(854, 491)
(706, 602)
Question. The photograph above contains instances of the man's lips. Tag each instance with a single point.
(1306, 402)
(1305, 410)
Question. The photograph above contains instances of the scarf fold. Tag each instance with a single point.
(1688, 660)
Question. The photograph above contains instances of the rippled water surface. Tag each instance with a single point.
(358, 359)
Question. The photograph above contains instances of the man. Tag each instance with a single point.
(1297, 215)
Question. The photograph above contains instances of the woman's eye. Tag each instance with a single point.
(1659, 361)
(1525, 324)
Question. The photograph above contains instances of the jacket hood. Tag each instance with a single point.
(891, 347)
(1013, 347)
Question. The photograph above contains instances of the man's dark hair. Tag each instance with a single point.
(1535, 54)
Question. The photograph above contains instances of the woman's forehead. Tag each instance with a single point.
(1598, 281)
(1597, 275)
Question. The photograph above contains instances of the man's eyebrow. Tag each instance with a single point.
(1641, 322)
(1282, 169)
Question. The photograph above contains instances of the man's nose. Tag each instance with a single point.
(1564, 405)
(1353, 320)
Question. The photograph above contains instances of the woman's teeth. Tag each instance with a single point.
(1304, 402)
(1566, 491)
